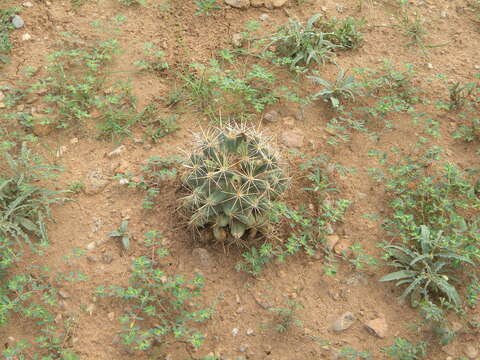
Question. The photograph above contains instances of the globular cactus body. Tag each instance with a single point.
(232, 177)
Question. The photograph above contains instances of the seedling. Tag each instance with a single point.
(122, 234)
(285, 316)
(344, 88)
(206, 7)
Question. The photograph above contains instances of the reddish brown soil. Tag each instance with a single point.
(188, 38)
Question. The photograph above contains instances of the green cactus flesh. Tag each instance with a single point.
(232, 177)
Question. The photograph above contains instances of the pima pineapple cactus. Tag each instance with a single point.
(232, 177)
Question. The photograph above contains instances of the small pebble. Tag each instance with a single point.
(27, 4)
(430, 66)
(17, 22)
(26, 37)
(235, 331)
(250, 332)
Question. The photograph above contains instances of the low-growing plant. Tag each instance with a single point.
(303, 43)
(427, 267)
(232, 177)
(157, 126)
(122, 234)
(5, 28)
(25, 205)
(153, 59)
(344, 88)
(286, 316)
(402, 349)
(206, 7)
(344, 33)
(76, 187)
(460, 93)
(132, 2)
(161, 307)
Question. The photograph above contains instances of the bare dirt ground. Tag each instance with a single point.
(238, 297)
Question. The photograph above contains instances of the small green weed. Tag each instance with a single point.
(161, 305)
(25, 205)
(5, 28)
(122, 234)
(76, 187)
(286, 316)
(403, 349)
(206, 7)
(157, 126)
(154, 59)
(344, 88)
(344, 33)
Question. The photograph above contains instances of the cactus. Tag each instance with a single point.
(232, 177)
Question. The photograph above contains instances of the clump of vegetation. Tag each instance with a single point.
(286, 316)
(303, 43)
(157, 126)
(344, 88)
(427, 267)
(161, 307)
(220, 92)
(5, 27)
(153, 59)
(460, 93)
(232, 177)
(434, 221)
(344, 33)
(403, 349)
(205, 7)
(122, 234)
(25, 205)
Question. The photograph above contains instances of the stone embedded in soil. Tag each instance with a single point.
(26, 37)
(343, 322)
(257, 3)
(90, 246)
(203, 255)
(17, 22)
(377, 327)
(237, 40)
(117, 152)
(293, 138)
(471, 351)
(249, 332)
(239, 4)
(331, 241)
(90, 309)
(107, 259)
(27, 4)
(271, 116)
(264, 17)
(63, 294)
(277, 3)
(235, 331)
(92, 259)
(96, 182)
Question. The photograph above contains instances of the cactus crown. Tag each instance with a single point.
(232, 176)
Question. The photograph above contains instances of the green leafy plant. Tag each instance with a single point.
(303, 43)
(154, 59)
(232, 177)
(76, 187)
(158, 126)
(162, 306)
(460, 93)
(205, 7)
(132, 2)
(403, 349)
(5, 28)
(343, 88)
(25, 205)
(286, 316)
(344, 33)
(123, 234)
(426, 269)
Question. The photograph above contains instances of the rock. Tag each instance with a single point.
(117, 151)
(111, 316)
(27, 4)
(264, 17)
(239, 4)
(331, 241)
(257, 3)
(63, 294)
(39, 128)
(90, 309)
(26, 37)
(107, 258)
(62, 150)
(250, 332)
(430, 66)
(377, 327)
(271, 116)
(342, 248)
(92, 259)
(235, 331)
(471, 351)
(74, 141)
(17, 22)
(237, 40)
(203, 255)
(90, 246)
(343, 322)
(278, 3)
(96, 182)
(293, 138)
(243, 348)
